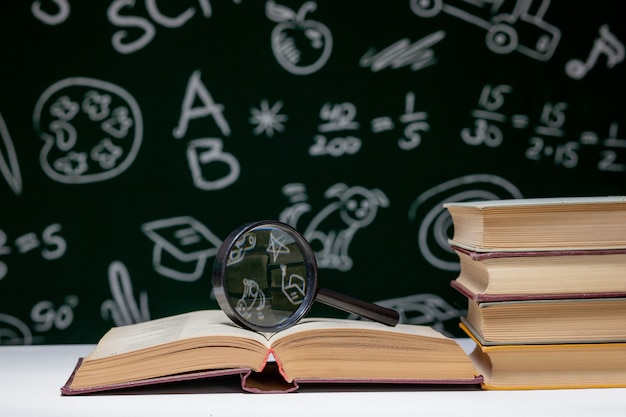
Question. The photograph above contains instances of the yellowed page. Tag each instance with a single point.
(329, 324)
(124, 339)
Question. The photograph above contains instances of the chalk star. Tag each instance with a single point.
(268, 120)
(276, 247)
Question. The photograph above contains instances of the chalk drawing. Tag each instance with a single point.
(607, 44)
(139, 23)
(196, 90)
(276, 246)
(252, 298)
(13, 331)
(9, 165)
(61, 15)
(123, 308)
(207, 151)
(242, 246)
(332, 229)
(415, 124)
(609, 161)
(181, 19)
(403, 53)
(337, 117)
(421, 309)
(510, 25)
(182, 246)
(297, 196)
(293, 287)
(435, 223)
(46, 316)
(486, 128)
(78, 104)
(4, 250)
(53, 246)
(268, 119)
(301, 46)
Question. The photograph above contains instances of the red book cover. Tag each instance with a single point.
(268, 381)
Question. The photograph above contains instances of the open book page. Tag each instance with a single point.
(204, 323)
(355, 350)
(308, 324)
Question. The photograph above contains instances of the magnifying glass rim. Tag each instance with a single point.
(219, 276)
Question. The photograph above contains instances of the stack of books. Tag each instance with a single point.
(545, 280)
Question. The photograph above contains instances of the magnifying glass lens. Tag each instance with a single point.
(264, 278)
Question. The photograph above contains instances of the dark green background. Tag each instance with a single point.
(60, 300)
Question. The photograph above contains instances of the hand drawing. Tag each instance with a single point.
(123, 308)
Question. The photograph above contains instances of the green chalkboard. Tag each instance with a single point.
(137, 134)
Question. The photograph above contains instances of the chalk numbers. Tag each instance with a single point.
(335, 147)
(51, 245)
(46, 316)
(565, 155)
(485, 131)
(338, 118)
(551, 125)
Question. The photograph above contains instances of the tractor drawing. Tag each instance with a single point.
(511, 25)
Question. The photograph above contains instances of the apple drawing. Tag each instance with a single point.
(300, 46)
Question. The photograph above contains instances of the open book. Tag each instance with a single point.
(206, 343)
(539, 224)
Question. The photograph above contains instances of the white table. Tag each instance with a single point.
(30, 378)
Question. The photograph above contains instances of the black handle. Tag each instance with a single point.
(362, 308)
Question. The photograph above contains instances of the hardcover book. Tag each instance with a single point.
(550, 366)
(539, 224)
(545, 321)
(206, 344)
(499, 276)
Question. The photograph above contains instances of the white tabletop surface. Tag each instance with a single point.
(30, 378)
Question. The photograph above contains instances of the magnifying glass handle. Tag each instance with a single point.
(362, 308)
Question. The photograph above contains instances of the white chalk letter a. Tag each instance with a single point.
(195, 88)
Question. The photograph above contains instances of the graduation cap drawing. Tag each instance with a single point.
(181, 247)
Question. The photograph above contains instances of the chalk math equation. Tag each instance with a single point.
(548, 139)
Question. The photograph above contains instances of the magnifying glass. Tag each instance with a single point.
(265, 279)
